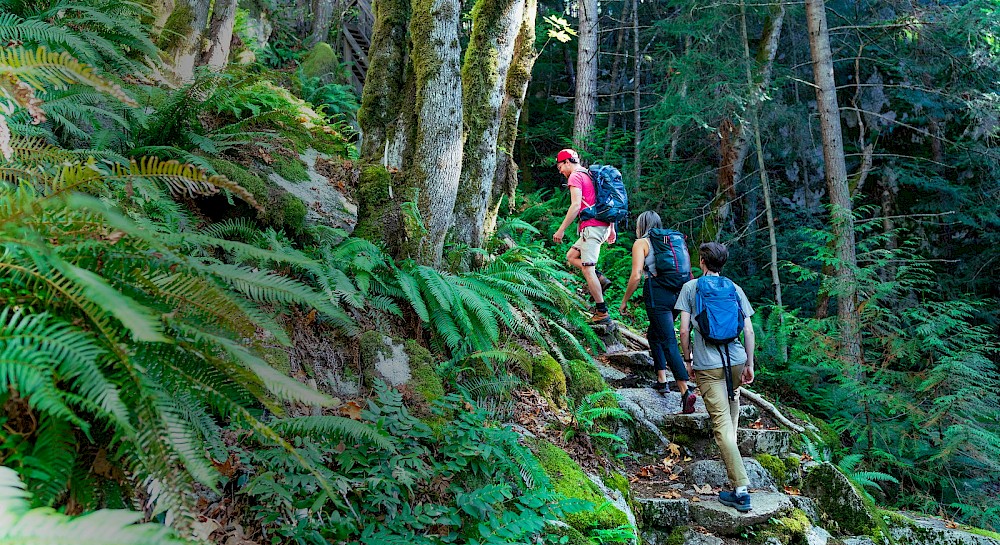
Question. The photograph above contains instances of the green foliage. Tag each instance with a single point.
(569, 480)
(589, 413)
(471, 480)
(19, 523)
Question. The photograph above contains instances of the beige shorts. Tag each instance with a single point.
(590, 242)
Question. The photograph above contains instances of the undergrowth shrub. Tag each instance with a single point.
(461, 481)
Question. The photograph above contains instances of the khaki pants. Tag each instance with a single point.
(725, 418)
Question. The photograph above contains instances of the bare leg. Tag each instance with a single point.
(593, 284)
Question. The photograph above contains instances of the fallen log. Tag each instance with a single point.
(769, 407)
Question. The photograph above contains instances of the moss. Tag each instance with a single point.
(278, 358)
(775, 466)
(677, 536)
(795, 526)
(242, 176)
(320, 61)
(682, 439)
(293, 212)
(548, 378)
(176, 27)
(291, 169)
(371, 346)
(584, 379)
(981, 532)
(425, 380)
(827, 435)
(569, 480)
(840, 500)
(572, 535)
(374, 196)
(617, 481)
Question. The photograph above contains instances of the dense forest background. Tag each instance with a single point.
(182, 310)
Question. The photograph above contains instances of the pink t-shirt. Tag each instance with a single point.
(581, 179)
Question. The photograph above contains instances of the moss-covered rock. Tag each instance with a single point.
(775, 466)
(792, 529)
(321, 62)
(381, 358)
(548, 378)
(291, 169)
(282, 210)
(425, 380)
(569, 480)
(839, 501)
(584, 379)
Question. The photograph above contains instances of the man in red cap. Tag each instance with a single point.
(593, 233)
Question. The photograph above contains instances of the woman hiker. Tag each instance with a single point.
(660, 308)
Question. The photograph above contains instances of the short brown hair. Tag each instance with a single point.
(714, 255)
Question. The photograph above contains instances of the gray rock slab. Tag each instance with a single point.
(636, 360)
(324, 204)
(615, 498)
(607, 372)
(713, 472)
(719, 519)
(663, 410)
(838, 499)
(929, 531)
(817, 536)
(663, 513)
(774, 442)
(808, 506)
(858, 540)
(697, 538)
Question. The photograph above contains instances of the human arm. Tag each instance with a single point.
(613, 235)
(639, 250)
(748, 343)
(575, 199)
(686, 339)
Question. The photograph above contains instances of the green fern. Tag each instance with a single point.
(44, 526)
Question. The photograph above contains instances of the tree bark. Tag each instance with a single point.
(518, 76)
(585, 105)
(765, 59)
(382, 99)
(322, 19)
(188, 20)
(220, 35)
(495, 25)
(637, 96)
(616, 70)
(836, 181)
(437, 153)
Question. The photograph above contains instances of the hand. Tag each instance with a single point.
(690, 369)
(623, 308)
(747, 376)
(613, 236)
(558, 236)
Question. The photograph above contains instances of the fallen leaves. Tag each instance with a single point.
(703, 489)
(351, 409)
(792, 491)
(669, 495)
(674, 449)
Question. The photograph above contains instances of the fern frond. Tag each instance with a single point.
(181, 179)
(43, 69)
(336, 426)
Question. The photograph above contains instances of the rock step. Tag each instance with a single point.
(636, 360)
(712, 515)
(662, 410)
(774, 442)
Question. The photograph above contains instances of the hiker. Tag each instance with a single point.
(719, 309)
(659, 297)
(593, 232)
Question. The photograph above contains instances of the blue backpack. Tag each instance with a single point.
(611, 204)
(720, 318)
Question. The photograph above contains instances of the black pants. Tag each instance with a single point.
(662, 340)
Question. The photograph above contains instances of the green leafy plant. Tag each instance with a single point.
(588, 414)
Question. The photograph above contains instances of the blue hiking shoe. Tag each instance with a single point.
(740, 502)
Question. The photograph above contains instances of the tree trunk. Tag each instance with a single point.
(185, 31)
(676, 135)
(765, 59)
(637, 96)
(437, 152)
(382, 100)
(322, 19)
(585, 109)
(220, 35)
(836, 181)
(523, 60)
(161, 13)
(495, 26)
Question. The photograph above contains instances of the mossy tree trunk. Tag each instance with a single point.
(383, 110)
(518, 76)
(184, 33)
(220, 34)
(322, 19)
(495, 25)
(437, 149)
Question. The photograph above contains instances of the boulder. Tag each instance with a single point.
(839, 501)
(713, 472)
(321, 62)
(383, 359)
(639, 361)
(609, 335)
(808, 506)
(817, 536)
(930, 531)
(664, 513)
(324, 204)
(616, 498)
(697, 538)
(608, 372)
(719, 519)
(774, 442)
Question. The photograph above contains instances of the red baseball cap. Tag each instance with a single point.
(568, 155)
